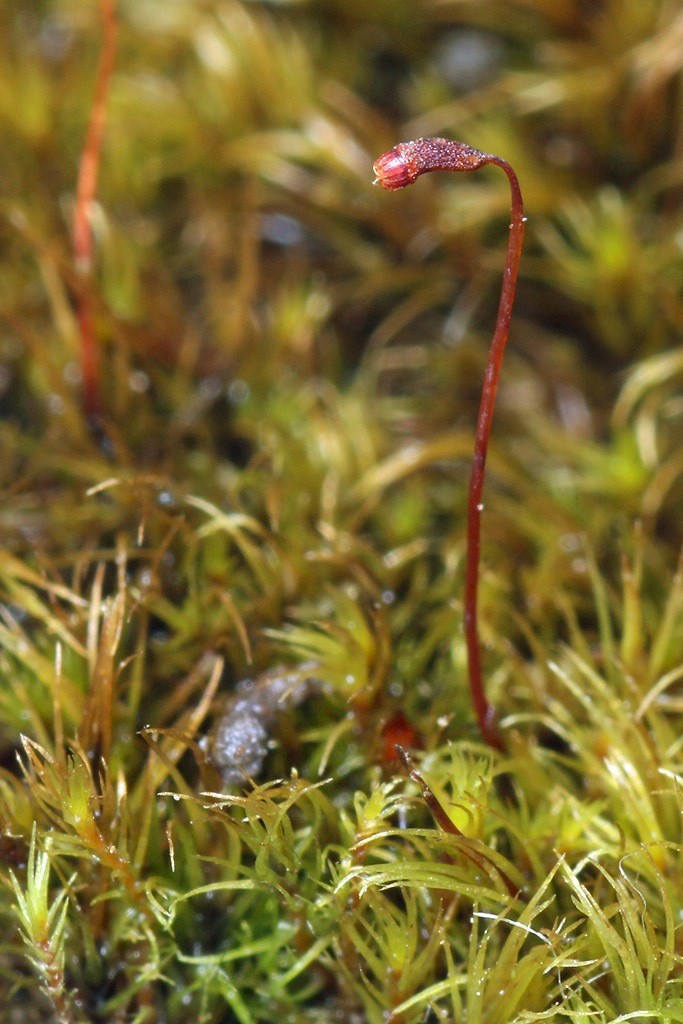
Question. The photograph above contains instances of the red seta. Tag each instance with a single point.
(401, 166)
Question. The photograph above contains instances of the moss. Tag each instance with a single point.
(290, 373)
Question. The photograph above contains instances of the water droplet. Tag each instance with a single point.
(145, 578)
(55, 404)
(72, 373)
(138, 382)
(238, 392)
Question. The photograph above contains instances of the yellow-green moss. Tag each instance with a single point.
(291, 373)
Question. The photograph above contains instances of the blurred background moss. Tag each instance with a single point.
(274, 330)
(291, 368)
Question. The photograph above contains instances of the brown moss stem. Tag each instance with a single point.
(82, 227)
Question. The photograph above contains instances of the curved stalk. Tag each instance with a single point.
(401, 166)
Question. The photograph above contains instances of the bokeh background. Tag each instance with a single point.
(290, 368)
